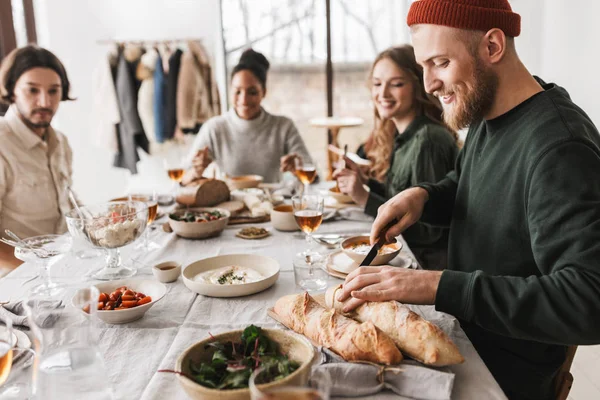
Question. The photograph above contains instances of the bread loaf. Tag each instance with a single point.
(203, 193)
(414, 336)
(353, 341)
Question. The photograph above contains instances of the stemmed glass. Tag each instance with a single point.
(13, 385)
(110, 226)
(152, 203)
(308, 212)
(44, 251)
(175, 169)
(305, 172)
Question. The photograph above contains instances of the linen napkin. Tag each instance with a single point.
(15, 312)
(409, 379)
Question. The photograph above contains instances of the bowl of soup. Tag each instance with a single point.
(357, 248)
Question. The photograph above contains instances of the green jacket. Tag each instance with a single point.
(524, 250)
(424, 152)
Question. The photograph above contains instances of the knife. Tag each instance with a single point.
(380, 242)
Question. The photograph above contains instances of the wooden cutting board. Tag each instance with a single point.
(246, 219)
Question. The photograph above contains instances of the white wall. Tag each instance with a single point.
(70, 28)
(558, 42)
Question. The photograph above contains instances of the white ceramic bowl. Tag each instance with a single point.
(380, 259)
(295, 346)
(339, 197)
(282, 218)
(268, 267)
(149, 287)
(167, 271)
(199, 230)
(243, 181)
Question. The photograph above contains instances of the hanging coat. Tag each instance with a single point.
(171, 94)
(130, 131)
(159, 100)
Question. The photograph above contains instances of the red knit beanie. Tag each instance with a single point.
(480, 15)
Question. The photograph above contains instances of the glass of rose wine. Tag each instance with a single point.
(151, 201)
(305, 172)
(308, 213)
(175, 170)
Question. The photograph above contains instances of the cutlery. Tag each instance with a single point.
(380, 242)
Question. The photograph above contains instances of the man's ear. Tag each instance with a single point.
(495, 45)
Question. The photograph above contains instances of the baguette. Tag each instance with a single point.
(352, 340)
(414, 336)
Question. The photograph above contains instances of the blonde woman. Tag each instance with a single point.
(408, 145)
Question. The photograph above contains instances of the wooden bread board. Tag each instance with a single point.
(245, 219)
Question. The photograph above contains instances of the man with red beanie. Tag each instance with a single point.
(523, 203)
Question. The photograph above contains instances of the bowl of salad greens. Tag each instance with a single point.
(219, 367)
(199, 223)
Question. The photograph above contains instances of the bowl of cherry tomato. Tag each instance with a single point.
(127, 300)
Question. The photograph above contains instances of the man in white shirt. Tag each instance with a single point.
(35, 159)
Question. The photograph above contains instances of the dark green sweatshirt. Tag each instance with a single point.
(524, 251)
(424, 152)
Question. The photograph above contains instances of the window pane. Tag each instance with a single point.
(360, 30)
(292, 36)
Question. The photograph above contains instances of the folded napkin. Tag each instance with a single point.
(409, 379)
(15, 312)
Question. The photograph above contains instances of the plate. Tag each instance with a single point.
(267, 266)
(340, 263)
(19, 338)
(263, 235)
(23, 341)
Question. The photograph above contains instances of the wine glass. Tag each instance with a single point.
(69, 364)
(175, 169)
(308, 213)
(110, 226)
(151, 201)
(14, 382)
(318, 387)
(44, 250)
(305, 172)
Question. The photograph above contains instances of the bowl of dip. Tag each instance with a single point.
(231, 275)
(357, 248)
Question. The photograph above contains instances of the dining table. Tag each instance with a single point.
(133, 353)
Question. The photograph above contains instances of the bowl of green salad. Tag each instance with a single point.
(219, 367)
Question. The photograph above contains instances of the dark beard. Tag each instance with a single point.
(32, 125)
(477, 100)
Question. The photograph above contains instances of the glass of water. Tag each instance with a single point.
(68, 360)
(309, 273)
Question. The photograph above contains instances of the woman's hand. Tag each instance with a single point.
(201, 160)
(349, 182)
(351, 165)
(288, 162)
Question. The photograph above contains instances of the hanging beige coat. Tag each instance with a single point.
(197, 92)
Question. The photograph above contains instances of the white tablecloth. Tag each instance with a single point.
(135, 351)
